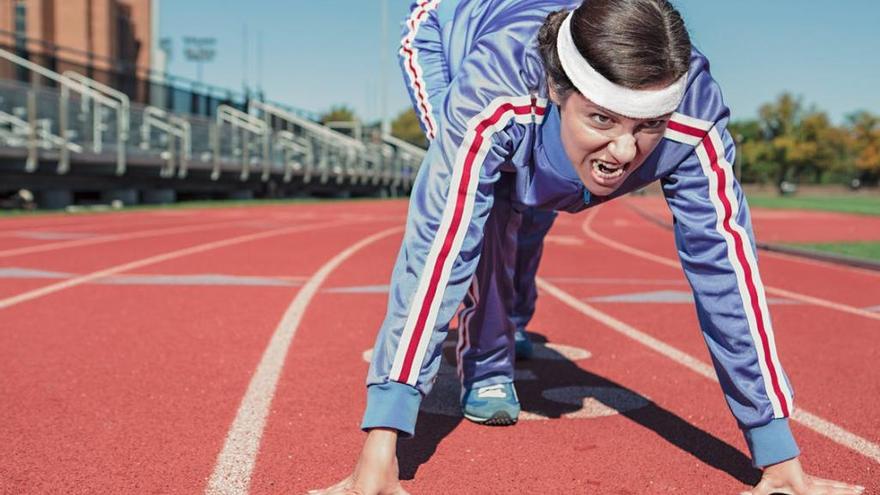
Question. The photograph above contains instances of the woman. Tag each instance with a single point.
(630, 102)
(491, 336)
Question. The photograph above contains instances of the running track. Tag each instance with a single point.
(221, 351)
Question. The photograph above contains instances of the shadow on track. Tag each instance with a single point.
(562, 389)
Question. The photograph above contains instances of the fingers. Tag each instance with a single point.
(337, 489)
(837, 487)
(832, 487)
(814, 486)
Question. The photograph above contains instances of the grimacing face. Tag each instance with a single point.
(604, 147)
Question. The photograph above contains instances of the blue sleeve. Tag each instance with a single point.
(477, 128)
(715, 242)
(423, 63)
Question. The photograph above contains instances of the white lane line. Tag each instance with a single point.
(821, 426)
(78, 221)
(200, 248)
(667, 225)
(819, 263)
(115, 237)
(232, 473)
(586, 226)
(83, 227)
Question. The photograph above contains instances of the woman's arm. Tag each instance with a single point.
(715, 242)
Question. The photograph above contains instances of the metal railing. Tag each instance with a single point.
(68, 112)
(86, 92)
(173, 127)
(35, 135)
(242, 126)
(407, 158)
(327, 144)
(297, 155)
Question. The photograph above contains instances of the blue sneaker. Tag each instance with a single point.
(493, 405)
(522, 344)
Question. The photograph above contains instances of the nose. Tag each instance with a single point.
(623, 148)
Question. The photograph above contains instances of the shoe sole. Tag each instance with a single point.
(498, 419)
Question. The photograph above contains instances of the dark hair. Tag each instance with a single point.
(632, 43)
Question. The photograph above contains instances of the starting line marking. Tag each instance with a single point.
(235, 463)
(821, 426)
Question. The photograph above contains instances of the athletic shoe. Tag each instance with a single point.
(522, 344)
(493, 405)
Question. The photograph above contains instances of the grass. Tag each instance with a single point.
(859, 204)
(867, 250)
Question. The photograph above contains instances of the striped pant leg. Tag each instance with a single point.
(529, 248)
(485, 340)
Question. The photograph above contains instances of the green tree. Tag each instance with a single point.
(753, 152)
(864, 139)
(780, 121)
(823, 147)
(406, 126)
(801, 141)
(339, 113)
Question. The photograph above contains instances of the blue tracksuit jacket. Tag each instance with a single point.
(492, 124)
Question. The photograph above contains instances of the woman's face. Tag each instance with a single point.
(605, 147)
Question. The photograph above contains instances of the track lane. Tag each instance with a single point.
(309, 443)
(232, 472)
(126, 235)
(844, 289)
(189, 250)
(139, 383)
(790, 225)
(802, 333)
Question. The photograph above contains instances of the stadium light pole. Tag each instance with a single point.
(199, 50)
(383, 66)
(244, 61)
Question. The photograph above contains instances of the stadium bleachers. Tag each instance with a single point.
(66, 136)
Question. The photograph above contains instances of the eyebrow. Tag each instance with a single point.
(618, 116)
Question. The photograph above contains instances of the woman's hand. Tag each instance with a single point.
(376, 472)
(789, 478)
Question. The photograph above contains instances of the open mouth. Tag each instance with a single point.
(607, 172)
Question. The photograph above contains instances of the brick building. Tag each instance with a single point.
(97, 35)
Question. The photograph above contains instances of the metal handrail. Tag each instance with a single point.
(24, 126)
(345, 147)
(246, 122)
(124, 110)
(416, 152)
(67, 84)
(173, 126)
(330, 135)
(408, 147)
(290, 144)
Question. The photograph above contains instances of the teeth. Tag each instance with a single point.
(606, 170)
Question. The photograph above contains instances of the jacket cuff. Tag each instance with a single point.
(392, 405)
(771, 443)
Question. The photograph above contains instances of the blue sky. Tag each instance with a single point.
(320, 53)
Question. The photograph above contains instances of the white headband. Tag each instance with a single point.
(639, 104)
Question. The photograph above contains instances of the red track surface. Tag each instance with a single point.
(133, 388)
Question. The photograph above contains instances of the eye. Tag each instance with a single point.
(602, 120)
(653, 125)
